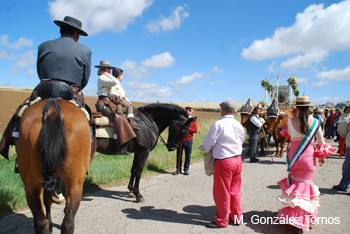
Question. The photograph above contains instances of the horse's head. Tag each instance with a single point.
(178, 129)
(244, 119)
(271, 123)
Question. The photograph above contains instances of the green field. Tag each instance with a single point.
(104, 171)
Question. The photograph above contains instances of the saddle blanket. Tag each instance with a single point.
(28, 104)
(106, 132)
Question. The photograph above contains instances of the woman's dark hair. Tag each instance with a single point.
(346, 108)
(304, 112)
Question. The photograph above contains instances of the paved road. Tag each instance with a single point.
(184, 204)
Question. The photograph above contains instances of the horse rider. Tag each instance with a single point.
(119, 94)
(63, 67)
(255, 124)
(111, 94)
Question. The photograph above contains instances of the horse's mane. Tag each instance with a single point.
(165, 108)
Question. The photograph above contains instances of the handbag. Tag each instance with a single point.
(209, 164)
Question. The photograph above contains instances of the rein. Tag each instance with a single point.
(162, 140)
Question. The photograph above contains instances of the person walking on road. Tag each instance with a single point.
(225, 139)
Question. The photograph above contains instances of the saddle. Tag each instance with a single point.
(44, 90)
(121, 132)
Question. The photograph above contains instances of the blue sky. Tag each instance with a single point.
(191, 51)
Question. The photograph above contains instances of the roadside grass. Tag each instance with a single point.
(103, 171)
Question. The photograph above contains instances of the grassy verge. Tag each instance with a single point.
(104, 170)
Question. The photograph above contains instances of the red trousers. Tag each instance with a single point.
(227, 190)
(341, 146)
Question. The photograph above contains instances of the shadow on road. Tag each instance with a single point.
(264, 222)
(331, 191)
(16, 223)
(152, 167)
(271, 162)
(193, 214)
(273, 186)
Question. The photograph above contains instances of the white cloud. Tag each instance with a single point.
(160, 60)
(101, 15)
(21, 43)
(302, 80)
(319, 83)
(133, 70)
(187, 79)
(305, 60)
(216, 70)
(149, 91)
(140, 70)
(4, 40)
(335, 74)
(25, 64)
(327, 99)
(315, 29)
(171, 22)
(5, 55)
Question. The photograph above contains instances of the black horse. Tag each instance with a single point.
(152, 120)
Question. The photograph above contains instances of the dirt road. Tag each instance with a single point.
(184, 204)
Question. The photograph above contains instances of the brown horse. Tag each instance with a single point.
(274, 126)
(54, 142)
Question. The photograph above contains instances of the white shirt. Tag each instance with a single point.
(225, 138)
(258, 122)
(117, 90)
(105, 83)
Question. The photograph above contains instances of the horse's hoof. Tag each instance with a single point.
(140, 199)
(131, 195)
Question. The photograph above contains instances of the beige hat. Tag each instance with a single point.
(227, 106)
(303, 101)
(104, 63)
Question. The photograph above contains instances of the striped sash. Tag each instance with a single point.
(304, 143)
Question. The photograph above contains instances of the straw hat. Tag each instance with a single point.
(303, 101)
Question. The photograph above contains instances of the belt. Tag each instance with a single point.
(219, 159)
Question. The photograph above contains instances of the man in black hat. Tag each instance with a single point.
(63, 67)
(65, 59)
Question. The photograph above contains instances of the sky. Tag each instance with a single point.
(191, 51)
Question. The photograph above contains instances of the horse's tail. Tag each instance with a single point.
(52, 143)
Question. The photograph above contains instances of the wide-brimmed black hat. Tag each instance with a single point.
(71, 22)
(104, 63)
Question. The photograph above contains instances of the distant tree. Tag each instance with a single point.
(293, 83)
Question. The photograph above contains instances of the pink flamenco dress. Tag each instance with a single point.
(300, 196)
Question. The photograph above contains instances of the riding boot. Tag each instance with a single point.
(7, 137)
(133, 124)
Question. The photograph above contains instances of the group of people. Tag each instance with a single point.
(299, 197)
(66, 60)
